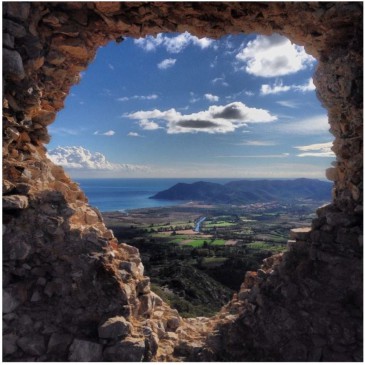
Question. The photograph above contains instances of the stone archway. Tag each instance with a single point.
(71, 292)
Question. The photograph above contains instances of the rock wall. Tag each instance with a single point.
(72, 292)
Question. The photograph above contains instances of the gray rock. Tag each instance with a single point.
(58, 343)
(130, 349)
(8, 40)
(9, 344)
(130, 267)
(19, 250)
(115, 327)
(15, 202)
(84, 351)
(32, 345)
(342, 219)
(13, 28)
(301, 234)
(10, 303)
(12, 65)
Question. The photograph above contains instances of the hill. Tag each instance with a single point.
(248, 191)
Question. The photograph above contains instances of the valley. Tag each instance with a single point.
(197, 270)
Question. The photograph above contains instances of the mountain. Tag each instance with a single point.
(248, 191)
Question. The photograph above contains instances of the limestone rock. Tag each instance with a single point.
(114, 327)
(129, 350)
(85, 351)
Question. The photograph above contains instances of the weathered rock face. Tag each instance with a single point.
(71, 292)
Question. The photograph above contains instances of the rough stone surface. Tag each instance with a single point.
(15, 202)
(114, 327)
(85, 351)
(65, 274)
(128, 350)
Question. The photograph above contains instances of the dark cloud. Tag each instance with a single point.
(230, 112)
(198, 124)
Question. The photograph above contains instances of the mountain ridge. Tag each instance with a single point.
(248, 191)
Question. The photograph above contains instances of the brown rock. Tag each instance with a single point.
(15, 202)
(301, 234)
(108, 8)
(74, 47)
(17, 9)
(114, 328)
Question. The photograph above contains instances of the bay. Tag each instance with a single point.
(126, 194)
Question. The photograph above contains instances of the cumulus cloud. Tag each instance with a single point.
(272, 56)
(134, 134)
(211, 97)
(316, 150)
(107, 133)
(172, 44)
(217, 119)
(278, 87)
(139, 97)
(167, 63)
(77, 157)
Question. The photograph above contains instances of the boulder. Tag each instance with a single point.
(15, 202)
(17, 9)
(128, 350)
(85, 351)
(143, 286)
(115, 327)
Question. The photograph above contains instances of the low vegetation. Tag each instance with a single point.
(197, 272)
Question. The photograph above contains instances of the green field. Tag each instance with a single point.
(260, 246)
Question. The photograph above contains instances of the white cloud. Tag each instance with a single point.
(134, 134)
(108, 133)
(221, 81)
(111, 66)
(257, 143)
(77, 157)
(315, 125)
(138, 97)
(63, 131)
(167, 63)
(148, 125)
(288, 103)
(316, 150)
(217, 119)
(174, 44)
(280, 155)
(271, 56)
(278, 87)
(211, 97)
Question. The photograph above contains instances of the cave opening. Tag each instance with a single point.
(141, 77)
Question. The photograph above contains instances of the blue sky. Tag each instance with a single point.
(178, 106)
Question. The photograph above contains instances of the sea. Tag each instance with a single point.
(126, 194)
